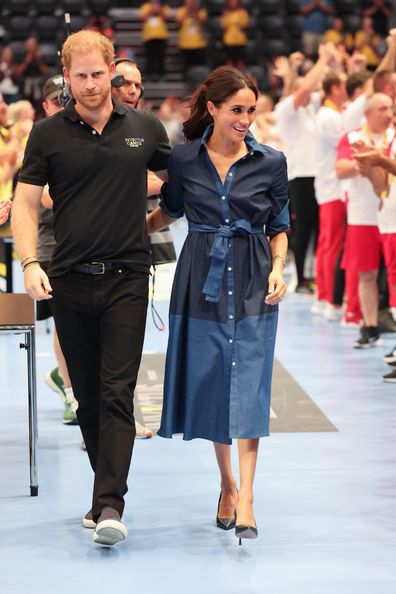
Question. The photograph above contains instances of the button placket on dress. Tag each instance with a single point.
(231, 314)
(223, 191)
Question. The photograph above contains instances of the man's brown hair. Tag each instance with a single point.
(86, 41)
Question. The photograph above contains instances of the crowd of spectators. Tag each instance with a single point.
(209, 32)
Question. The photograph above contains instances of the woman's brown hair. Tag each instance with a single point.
(221, 83)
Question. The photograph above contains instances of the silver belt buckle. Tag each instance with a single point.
(102, 269)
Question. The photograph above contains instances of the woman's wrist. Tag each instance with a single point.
(278, 259)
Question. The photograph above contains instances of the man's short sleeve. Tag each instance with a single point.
(344, 149)
(160, 157)
(34, 168)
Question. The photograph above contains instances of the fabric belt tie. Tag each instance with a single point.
(220, 250)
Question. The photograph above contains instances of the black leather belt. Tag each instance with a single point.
(96, 267)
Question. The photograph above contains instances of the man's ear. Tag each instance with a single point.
(112, 70)
(66, 74)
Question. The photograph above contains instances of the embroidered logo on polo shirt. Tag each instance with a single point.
(134, 142)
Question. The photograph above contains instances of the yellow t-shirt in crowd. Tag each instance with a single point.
(190, 33)
(233, 22)
(154, 27)
(367, 47)
(6, 186)
(333, 36)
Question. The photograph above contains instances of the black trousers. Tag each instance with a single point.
(195, 57)
(155, 56)
(101, 321)
(305, 219)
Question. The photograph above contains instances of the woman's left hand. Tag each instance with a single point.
(276, 288)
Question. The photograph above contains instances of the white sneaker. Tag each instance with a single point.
(318, 307)
(87, 521)
(143, 432)
(109, 530)
(332, 313)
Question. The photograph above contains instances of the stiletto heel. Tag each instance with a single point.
(243, 531)
(224, 523)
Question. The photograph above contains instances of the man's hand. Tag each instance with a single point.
(37, 284)
(370, 158)
(282, 67)
(5, 207)
(367, 155)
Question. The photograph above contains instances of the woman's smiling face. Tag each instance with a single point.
(234, 116)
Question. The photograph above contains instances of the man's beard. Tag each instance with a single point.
(93, 102)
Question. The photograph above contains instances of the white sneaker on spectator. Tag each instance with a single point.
(143, 432)
(332, 313)
(318, 307)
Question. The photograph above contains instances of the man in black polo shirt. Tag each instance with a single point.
(94, 155)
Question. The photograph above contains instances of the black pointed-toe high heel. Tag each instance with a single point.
(243, 531)
(224, 523)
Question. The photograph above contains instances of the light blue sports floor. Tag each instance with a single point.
(325, 501)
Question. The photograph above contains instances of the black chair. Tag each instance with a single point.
(295, 44)
(272, 26)
(216, 32)
(99, 7)
(194, 76)
(259, 74)
(20, 27)
(77, 23)
(351, 22)
(18, 51)
(17, 7)
(251, 29)
(74, 7)
(47, 27)
(292, 7)
(215, 6)
(271, 48)
(342, 7)
(46, 6)
(269, 6)
(48, 53)
(251, 52)
(294, 24)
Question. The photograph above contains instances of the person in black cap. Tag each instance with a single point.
(58, 379)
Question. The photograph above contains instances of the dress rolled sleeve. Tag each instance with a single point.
(172, 202)
(279, 220)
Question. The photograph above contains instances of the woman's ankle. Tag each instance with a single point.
(228, 486)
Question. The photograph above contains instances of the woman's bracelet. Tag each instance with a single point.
(278, 257)
(28, 258)
(30, 264)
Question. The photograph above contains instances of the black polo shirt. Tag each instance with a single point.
(98, 183)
